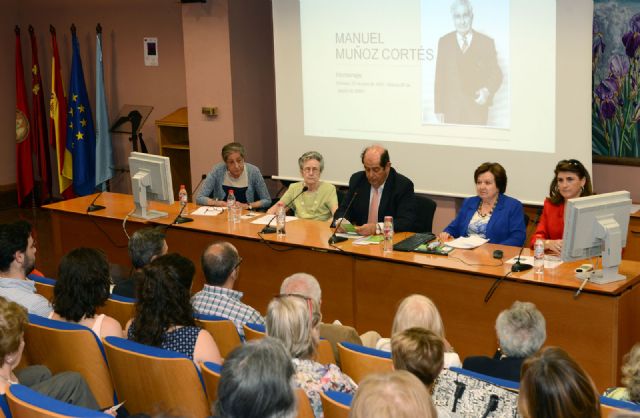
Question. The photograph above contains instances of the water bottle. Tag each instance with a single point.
(281, 220)
(231, 206)
(183, 197)
(388, 235)
(538, 256)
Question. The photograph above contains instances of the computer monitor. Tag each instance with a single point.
(597, 225)
(150, 180)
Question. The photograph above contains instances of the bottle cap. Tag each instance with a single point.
(182, 186)
(230, 191)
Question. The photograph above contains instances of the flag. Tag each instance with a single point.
(104, 151)
(24, 164)
(81, 136)
(39, 123)
(58, 122)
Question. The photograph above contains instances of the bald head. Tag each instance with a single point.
(219, 263)
(302, 284)
(377, 166)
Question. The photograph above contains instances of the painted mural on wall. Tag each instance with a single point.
(616, 81)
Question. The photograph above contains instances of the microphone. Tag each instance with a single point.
(334, 239)
(204, 176)
(271, 230)
(518, 266)
(183, 219)
(460, 387)
(93, 207)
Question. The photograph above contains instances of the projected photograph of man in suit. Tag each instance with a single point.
(467, 73)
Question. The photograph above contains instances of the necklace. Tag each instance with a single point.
(484, 215)
(9, 380)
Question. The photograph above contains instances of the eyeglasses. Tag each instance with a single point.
(311, 169)
(573, 162)
(295, 295)
(238, 263)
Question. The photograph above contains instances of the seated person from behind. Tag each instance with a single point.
(420, 311)
(82, 287)
(571, 179)
(420, 352)
(306, 285)
(320, 201)
(381, 191)
(521, 331)
(68, 387)
(491, 214)
(257, 381)
(397, 394)
(221, 267)
(234, 174)
(17, 260)
(294, 320)
(554, 385)
(164, 315)
(144, 246)
(630, 378)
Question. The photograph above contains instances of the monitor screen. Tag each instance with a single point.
(150, 180)
(597, 226)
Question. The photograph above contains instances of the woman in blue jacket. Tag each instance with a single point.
(491, 214)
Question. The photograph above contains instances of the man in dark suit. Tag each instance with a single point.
(467, 71)
(381, 191)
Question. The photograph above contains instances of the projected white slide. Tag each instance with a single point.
(353, 72)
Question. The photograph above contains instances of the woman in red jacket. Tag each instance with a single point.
(571, 180)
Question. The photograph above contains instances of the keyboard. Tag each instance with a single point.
(414, 241)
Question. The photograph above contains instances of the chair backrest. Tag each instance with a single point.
(336, 404)
(304, 404)
(253, 331)
(64, 346)
(153, 380)
(211, 375)
(359, 361)
(44, 285)
(425, 209)
(27, 403)
(223, 330)
(120, 308)
(609, 406)
(324, 353)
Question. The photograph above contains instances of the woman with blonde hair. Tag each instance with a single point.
(420, 311)
(397, 394)
(630, 378)
(294, 320)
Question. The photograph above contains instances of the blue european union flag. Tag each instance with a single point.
(81, 139)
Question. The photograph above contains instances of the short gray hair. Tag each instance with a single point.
(418, 311)
(292, 319)
(231, 148)
(145, 244)
(257, 380)
(311, 155)
(465, 3)
(521, 329)
(302, 284)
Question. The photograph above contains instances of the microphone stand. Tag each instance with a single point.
(93, 207)
(518, 266)
(183, 219)
(268, 229)
(334, 239)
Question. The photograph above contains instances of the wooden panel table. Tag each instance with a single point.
(362, 286)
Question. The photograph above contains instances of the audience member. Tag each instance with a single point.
(381, 191)
(144, 246)
(521, 331)
(630, 378)
(420, 311)
(234, 174)
(221, 266)
(68, 387)
(82, 287)
(570, 180)
(397, 394)
(294, 320)
(320, 201)
(257, 381)
(554, 385)
(17, 260)
(491, 214)
(164, 315)
(306, 285)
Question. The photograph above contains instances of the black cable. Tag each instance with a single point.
(268, 244)
(476, 264)
(495, 286)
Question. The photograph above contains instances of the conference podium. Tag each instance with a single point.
(362, 287)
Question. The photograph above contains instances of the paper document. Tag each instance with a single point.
(207, 211)
(635, 208)
(371, 239)
(467, 242)
(267, 218)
